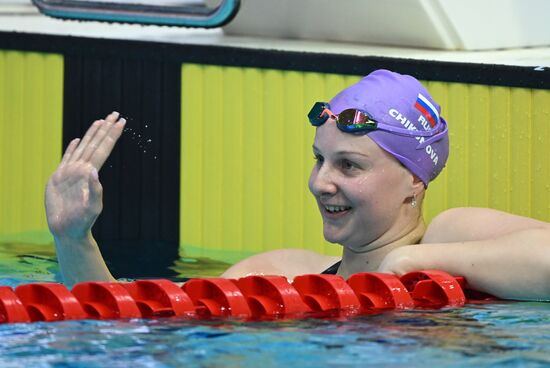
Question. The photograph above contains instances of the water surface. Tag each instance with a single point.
(491, 335)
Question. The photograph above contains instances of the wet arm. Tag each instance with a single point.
(512, 266)
(74, 200)
(499, 253)
(81, 260)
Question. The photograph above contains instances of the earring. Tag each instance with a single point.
(413, 202)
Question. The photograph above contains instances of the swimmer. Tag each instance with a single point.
(378, 145)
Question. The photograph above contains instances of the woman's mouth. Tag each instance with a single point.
(334, 212)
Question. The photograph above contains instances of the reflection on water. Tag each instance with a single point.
(199, 267)
(23, 263)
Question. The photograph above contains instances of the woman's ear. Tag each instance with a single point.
(417, 186)
(416, 192)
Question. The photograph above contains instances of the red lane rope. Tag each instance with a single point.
(251, 297)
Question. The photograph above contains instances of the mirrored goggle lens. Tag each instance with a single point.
(352, 120)
(318, 114)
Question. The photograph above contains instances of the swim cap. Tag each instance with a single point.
(420, 140)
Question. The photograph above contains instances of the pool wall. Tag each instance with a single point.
(31, 115)
(225, 173)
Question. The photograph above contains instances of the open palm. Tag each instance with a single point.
(74, 193)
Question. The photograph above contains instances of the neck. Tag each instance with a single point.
(370, 260)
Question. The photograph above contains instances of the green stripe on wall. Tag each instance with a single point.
(246, 156)
(31, 100)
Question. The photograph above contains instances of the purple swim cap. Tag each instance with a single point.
(410, 126)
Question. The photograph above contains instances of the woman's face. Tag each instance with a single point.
(360, 189)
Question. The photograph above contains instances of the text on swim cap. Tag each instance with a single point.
(410, 126)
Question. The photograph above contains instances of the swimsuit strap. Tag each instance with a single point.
(332, 269)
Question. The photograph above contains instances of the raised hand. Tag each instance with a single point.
(74, 193)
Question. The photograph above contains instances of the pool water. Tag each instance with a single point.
(488, 335)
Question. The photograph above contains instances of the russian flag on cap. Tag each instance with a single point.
(427, 109)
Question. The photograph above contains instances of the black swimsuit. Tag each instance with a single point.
(332, 269)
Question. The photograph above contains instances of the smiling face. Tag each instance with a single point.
(363, 192)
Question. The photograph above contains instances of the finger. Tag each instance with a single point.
(104, 150)
(100, 135)
(86, 140)
(112, 117)
(69, 151)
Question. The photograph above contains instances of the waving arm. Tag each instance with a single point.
(73, 201)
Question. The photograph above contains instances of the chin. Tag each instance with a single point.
(352, 244)
(333, 237)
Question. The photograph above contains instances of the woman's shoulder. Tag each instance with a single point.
(476, 223)
(288, 262)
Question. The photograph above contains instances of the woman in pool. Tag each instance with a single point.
(378, 144)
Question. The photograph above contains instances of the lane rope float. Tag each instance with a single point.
(248, 298)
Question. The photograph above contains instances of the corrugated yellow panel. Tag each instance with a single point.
(191, 207)
(520, 154)
(478, 146)
(31, 95)
(499, 148)
(213, 156)
(458, 116)
(499, 144)
(540, 164)
(273, 156)
(436, 198)
(246, 156)
(293, 182)
(252, 151)
(233, 169)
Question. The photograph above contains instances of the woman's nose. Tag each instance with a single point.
(321, 181)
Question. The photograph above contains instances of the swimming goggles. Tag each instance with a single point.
(349, 120)
(357, 121)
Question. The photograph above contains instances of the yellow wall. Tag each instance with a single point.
(500, 145)
(31, 100)
(246, 153)
(246, 156)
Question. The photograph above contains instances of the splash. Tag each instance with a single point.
(141, 139)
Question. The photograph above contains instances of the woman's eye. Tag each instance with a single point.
(348, 165)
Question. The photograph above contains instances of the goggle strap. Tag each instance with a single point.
(326, 112)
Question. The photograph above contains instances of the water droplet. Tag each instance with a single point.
(149, 141)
